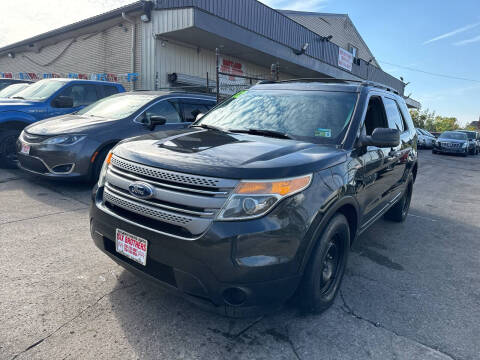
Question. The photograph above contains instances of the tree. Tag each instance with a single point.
(427, 120)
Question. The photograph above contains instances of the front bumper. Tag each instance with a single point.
(259, 258)
(56, 161)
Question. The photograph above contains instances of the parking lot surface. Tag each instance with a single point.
(411, 291)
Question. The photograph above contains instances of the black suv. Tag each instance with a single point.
(261, 198)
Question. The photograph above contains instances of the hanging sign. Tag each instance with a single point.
(345, 59)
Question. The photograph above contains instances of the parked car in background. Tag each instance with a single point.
(425, 139)
(45, 99)
(452, 142)
(11, 90)
(473, 147)
(7, 82)
(76, 145)
(261, 198)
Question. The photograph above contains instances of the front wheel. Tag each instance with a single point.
(324, 272)
(8, 149)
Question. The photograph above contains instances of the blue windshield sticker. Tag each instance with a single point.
(323, 132)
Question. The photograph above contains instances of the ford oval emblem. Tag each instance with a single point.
(141, 190)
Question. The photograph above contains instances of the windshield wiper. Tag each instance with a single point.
(206, 126)
(18, 97)
(262, 132)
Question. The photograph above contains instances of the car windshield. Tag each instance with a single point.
(453, 135)
(11, 90)
(41, 90)
(314, 116)
(117, 107)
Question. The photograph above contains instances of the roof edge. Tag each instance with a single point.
(75, 26)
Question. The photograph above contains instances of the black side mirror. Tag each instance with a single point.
(63, 102)
(155, 120)
(382, 138)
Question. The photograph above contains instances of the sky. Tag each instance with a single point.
(407, 38)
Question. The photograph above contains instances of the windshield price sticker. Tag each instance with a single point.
(323, 132)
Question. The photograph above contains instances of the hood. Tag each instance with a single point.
(452, 140)
(8, 103)
(68, 124)
(221, 154)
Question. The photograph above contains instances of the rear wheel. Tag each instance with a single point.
(324, 272)
(8, 148)
(399, 211)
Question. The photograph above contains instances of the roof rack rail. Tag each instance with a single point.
(333, 80)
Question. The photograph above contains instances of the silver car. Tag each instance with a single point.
(75, 145)
(425, 139)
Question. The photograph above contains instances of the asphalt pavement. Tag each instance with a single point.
(411, 290)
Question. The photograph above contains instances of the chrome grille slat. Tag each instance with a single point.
(193, 225)
(171, 176)
(170, 196)
(161, 206)
(180, 188)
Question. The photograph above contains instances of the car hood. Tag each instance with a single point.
(452, 140)
(9, 104)
(221, 154)
(68, 124)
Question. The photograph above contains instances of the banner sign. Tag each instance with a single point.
(129, 77)
(345, 59)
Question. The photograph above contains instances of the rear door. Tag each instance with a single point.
(397, 158)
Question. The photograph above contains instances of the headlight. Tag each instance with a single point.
(64, 140)
(252, 199)
(103, 172)
(465, 144)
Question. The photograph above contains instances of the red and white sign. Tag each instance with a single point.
(230, 67)
(345, 59)
(132, 246)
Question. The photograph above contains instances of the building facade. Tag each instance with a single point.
(166, 43)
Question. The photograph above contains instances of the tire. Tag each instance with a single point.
(97, 165)
(434, 151)
(465, 154)
(399, 211)
(8, 150)
(324, 272)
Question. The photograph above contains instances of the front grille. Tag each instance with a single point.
(33, 139)
(32, 164)
(181, 204)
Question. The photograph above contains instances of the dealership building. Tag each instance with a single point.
(199, 44)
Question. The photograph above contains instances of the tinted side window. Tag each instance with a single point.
(165, 109)
(395, 119)
(375, 116)
(109, 90)
(190, 111)
(81, 94)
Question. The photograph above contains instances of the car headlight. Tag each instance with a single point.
(64, 140)
(103, 172)
(252, 199)
(465, 144)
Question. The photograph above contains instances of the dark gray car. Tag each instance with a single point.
(76, 145)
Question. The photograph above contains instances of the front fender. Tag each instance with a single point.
(15, 119)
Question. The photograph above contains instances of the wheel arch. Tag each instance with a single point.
(347, 206)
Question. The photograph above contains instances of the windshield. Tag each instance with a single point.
(11, 90)
(453, 135)
(117, 107)
(315, 116)
(41, 90)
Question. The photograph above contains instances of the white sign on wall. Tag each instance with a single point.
(345, 59)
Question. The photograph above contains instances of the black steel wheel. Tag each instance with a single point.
(324, 272)
(8, 148)
(399, 211)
